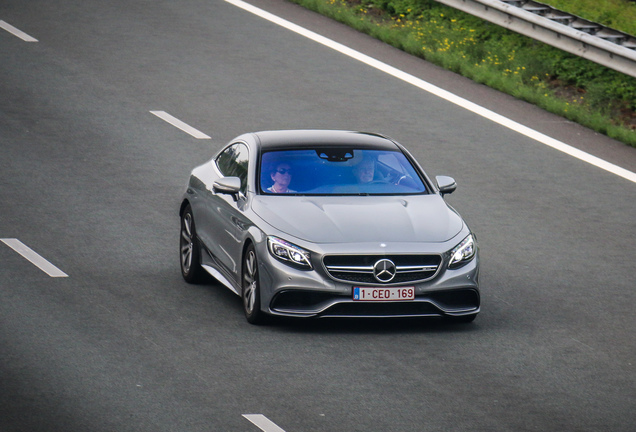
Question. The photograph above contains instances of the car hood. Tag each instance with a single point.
(422, 218)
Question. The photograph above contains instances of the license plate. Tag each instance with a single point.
(383, 294)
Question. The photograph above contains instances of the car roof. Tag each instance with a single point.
(332, 138)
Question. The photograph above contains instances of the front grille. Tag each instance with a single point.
(395, 309)
(359, 268)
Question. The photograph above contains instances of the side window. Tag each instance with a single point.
(233, 162)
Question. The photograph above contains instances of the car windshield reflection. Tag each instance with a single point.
(338, 171)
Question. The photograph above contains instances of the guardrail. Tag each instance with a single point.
(568, 32)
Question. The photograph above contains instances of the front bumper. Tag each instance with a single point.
(457, 302)
(291, 292)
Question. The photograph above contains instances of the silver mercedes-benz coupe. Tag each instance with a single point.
(317, 223)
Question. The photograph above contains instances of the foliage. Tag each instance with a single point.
(617, 14)
(575, 88)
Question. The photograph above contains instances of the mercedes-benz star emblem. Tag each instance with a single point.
(384, 270)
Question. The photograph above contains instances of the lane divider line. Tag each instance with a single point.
(263, 423)
(35, 259)
(180, 125)
(16, 32)
(439, 92)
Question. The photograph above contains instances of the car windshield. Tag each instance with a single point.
(338, 171)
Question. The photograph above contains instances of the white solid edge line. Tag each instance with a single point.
(263, 423)
(16, 32)
(35, 259)
(180, 125)
(446, 95)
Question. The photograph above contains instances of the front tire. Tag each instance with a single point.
(189, 249)
(251, 288)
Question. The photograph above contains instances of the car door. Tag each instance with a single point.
(221, 219)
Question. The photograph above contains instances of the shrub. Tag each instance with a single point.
(578, 89)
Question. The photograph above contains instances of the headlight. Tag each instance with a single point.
(288, 252)
(463, 252)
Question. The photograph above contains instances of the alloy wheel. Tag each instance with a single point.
(187, 243)
(250, 282)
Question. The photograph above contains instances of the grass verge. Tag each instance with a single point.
(577, 89)
(617, 14)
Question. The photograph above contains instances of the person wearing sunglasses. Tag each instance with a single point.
(281, 176)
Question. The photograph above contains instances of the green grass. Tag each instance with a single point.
(617, 14)
(579, 90)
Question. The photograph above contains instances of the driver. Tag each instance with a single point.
(364, 171)
(281, 176)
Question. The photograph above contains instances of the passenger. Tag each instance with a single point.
(281, 176)
(364, 171)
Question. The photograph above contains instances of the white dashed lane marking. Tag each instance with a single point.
(34, 258)
(180, 125)
(15, 32)
(263, 423)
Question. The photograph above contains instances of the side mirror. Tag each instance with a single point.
(446, 185)
(228, 185)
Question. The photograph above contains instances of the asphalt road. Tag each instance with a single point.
(90, 180)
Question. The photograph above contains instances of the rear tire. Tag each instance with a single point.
(251, 292)
(190, 249)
